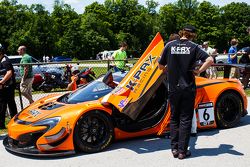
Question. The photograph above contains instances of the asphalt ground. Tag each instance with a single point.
(227, 147)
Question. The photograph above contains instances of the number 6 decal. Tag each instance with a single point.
(206, 114)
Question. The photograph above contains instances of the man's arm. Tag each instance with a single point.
(162, 61)
(70, 85)
(26, 69)
(8, 74)
(232, 54)
(6, 77)
(161, 67)
(208, 62)
(113, 55)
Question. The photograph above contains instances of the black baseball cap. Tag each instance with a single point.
(189, 28)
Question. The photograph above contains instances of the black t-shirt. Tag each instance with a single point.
(247, 50)
(245, 57)
(180, 57)
(6, 65)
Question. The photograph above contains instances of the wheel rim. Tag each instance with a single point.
(228, 109)
(93, 131)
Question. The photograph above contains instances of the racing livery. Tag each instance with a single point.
(91, 117)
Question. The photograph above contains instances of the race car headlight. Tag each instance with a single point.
(50, 122)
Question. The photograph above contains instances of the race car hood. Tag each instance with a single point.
(41, 109)
(34, 113)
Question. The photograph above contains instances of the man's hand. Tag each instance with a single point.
(162, 67)
(196, 72)
(75, 78)
(241, 52)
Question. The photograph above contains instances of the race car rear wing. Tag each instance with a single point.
(226, 68)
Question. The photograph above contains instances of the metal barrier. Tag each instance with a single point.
(59, 73)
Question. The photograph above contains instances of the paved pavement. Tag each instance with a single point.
(211, 148)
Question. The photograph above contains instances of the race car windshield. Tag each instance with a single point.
(92, 91)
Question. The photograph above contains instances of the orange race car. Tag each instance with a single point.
(118, 106)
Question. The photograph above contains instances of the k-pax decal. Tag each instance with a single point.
(142, 72)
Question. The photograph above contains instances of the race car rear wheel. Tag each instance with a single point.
(228, 110)
(93, 132)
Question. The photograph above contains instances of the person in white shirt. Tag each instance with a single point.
(47, 58)
(211, 72)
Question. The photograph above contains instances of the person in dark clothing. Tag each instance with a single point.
(178, 58)
(173, 37)
(245, 59)
(7, 88)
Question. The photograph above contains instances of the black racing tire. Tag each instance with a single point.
(93, 132)
(228, 110)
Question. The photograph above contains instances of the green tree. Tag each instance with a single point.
(13, 18)
(185, 12)
(207, 21)
(64, 31)
(137, 22)
(95, 21)
(104, 26)
(235, 18)
(151, 6)
(168, 20)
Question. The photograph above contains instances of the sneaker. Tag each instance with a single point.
(184, 155)
(175, 153)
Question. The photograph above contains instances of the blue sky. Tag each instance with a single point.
(79, 5)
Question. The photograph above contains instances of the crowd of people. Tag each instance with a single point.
(178, 59)
(234, 57)
(8, 83)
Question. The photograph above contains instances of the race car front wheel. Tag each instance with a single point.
(93, 132)
(229, 109)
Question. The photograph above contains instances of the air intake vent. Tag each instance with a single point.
(50, 106)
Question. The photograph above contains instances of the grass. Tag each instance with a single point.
(247, 91)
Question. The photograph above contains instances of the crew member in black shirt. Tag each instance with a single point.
(179, 58)
(245, 59)
(7, 88)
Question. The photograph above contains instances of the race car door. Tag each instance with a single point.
(141, 82)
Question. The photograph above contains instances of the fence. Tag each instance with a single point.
(56, 73)
(61, 79)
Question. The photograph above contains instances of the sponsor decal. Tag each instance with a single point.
(180, 50)
(118, 90)
(204, 105)
(141, 73)
(34, 113)
(206, 113)
(123, 103)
